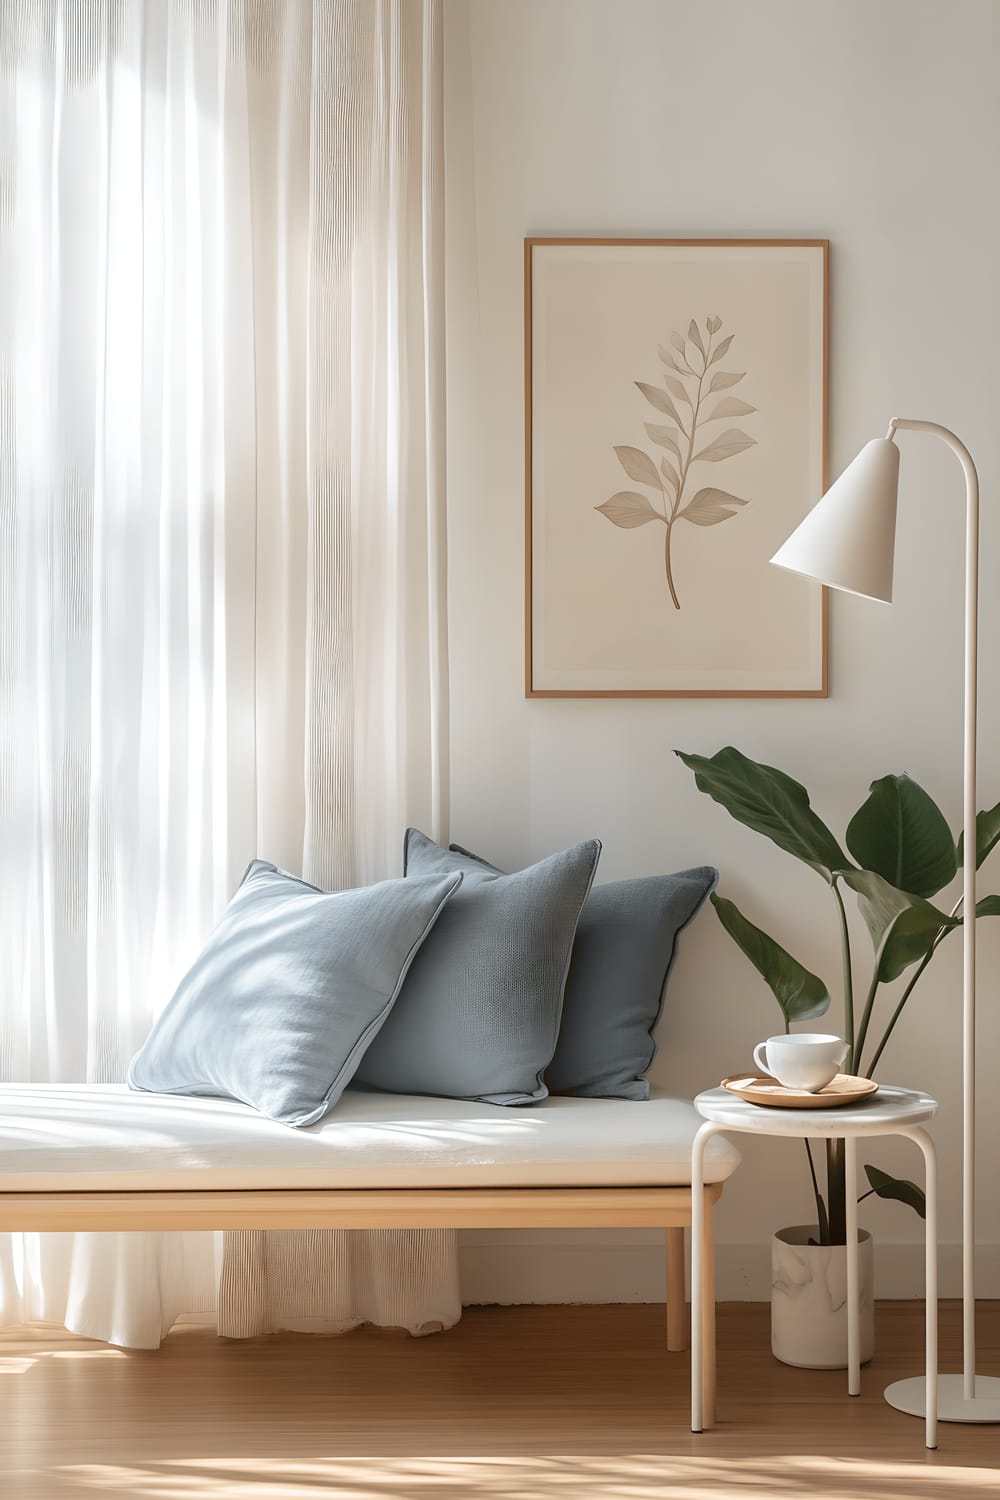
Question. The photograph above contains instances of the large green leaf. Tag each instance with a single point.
(801, 995)
(897, 1188)
(770, 803)
(901, 834)
(987, 834)
(904, 928)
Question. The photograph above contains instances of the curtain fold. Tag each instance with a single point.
(376, 675)
(221, 583)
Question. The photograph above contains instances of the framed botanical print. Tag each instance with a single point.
(675, 436)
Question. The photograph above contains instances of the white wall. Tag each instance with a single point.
(874, 123)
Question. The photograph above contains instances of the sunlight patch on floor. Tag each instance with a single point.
(19, 1364)
(85, 1354)
(622, 1477)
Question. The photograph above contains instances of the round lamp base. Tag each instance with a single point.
(908, 1396)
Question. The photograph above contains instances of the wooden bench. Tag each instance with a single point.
(99, 1157)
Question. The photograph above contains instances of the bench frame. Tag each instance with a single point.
(667, 1208)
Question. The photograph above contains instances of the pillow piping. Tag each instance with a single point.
(375, 1025)
(193, 1049)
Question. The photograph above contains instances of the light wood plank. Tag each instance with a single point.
(540, 1402)
(455, 1208)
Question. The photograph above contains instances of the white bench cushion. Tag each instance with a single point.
(94, 1137)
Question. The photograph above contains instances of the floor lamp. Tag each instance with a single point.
(847, 541)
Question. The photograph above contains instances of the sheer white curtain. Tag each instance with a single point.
(376, 747)
(211, 358)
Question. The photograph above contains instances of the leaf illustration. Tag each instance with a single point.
(670, 473)
(660, 400)
(722, 350)
(628, 509)
(683, 399)
(723, 379)
(638, 465)
(731, 442)
(665, 437)
(676, 389)
(729, 406)
(709, 507)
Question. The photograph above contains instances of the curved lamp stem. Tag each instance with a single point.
(968, 892)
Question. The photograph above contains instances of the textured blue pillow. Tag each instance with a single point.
(625, 944)
(289, 990)
(479, 1014)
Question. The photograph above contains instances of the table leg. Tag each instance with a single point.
(926, 1144)
(708, 1314)
(853, 1287)
(698, 1277)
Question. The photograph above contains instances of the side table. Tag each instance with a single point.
(891, 1111)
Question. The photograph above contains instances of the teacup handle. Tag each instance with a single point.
(762, 1065)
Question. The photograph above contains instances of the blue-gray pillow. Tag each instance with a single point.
(289, 990)
(625, 945)
(479, 1013)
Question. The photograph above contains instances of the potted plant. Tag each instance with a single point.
(901, 853)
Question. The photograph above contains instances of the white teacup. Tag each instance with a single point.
(803, 1060)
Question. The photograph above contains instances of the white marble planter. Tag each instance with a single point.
(809, 1300)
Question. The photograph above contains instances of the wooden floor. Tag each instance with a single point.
(514, 1404)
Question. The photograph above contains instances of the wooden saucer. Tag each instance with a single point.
(757, 1088)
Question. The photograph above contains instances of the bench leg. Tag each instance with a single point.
(676, 1296)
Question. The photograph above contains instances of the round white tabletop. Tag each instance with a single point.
(882, 1114)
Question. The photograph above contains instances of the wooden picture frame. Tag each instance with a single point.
(634, 408)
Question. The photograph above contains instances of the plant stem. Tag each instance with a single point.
(899, 1008)
(866, 1017)
(836, 1192)
(909, 990)
(666, 564)
(845, 944)
(822, 1220)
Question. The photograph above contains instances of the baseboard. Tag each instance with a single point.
(618, 1266)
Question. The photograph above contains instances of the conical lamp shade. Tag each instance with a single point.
(848, 539)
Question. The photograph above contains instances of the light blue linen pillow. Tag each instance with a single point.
(479, 1013)
(624, 948)
(624, 951)
(289, 990)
